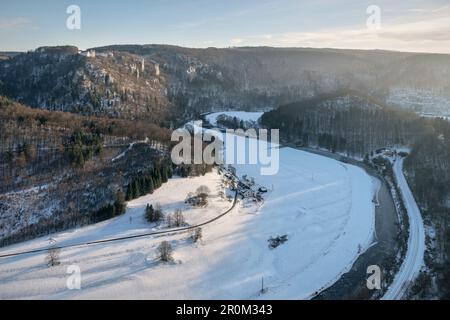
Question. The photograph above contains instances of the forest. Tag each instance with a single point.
(357, 125)
(57, 172)
(60, 170)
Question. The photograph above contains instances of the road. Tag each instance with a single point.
(413, 261)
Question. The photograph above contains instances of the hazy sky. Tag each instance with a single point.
(411, 25)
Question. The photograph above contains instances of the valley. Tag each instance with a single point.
(360, 174)
(326, 211)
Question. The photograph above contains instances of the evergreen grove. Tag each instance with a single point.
(148, 181)
(141, 185)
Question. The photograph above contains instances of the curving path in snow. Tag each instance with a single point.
(413, 261)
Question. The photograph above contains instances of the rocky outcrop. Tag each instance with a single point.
(167, 83)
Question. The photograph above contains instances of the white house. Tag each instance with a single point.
(88, 53)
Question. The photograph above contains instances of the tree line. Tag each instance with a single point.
(344, 123)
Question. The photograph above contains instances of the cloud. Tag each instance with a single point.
(13, 23)
(421, 31)
(237, 41)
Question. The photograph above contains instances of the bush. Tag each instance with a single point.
(200, 199)
(197, 201)
(197, 235)
(277, 241)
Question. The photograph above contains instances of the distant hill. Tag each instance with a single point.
(61, 79)
(176, 83)
(5, 55)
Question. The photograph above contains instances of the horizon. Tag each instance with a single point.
(223, 48)
(413, 26)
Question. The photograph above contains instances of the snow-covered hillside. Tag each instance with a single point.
(240, 115)
(424, 102)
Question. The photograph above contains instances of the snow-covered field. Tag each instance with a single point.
(241, 115)
(326, 209)
(323, 206)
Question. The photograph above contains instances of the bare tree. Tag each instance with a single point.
(165, 251)
(52, 258)
(203, 190)
(200, 198)
(197, 234)
(170, 222)
(178, 218)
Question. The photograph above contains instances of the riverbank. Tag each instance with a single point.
(352, 285)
